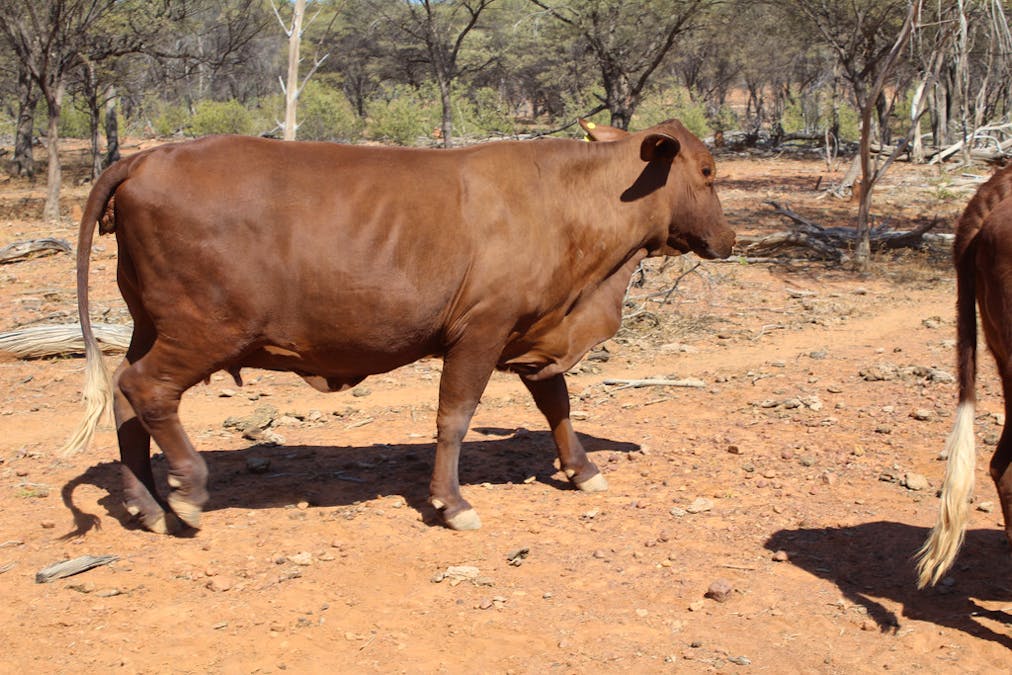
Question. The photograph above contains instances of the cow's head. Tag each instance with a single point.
(678, 166)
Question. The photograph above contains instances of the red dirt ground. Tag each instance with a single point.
(331, 560)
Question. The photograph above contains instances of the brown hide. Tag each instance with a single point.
(338, 262)
(983, 261)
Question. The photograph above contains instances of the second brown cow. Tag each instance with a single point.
(339, 262)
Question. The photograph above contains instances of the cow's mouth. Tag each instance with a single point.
(710, 250)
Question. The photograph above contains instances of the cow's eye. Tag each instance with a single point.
(707, 171)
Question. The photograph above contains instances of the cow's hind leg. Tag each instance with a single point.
(153, 386)
(140, 495)
(552, 398)
(1001, 461)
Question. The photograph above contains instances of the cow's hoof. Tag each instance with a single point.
(187, 512)
(596, 483)
(154, 518)
(166, 523)
(465, 520)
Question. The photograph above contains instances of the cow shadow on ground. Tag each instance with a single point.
(266, 477)
(872, 562)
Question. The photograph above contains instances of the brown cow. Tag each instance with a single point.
(339, 262)
(983, 259)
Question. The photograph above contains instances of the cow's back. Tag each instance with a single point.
(320, 247)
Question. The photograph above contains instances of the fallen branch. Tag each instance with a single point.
(36, 342)
(636, 384)
(23, 250)
(831, 243)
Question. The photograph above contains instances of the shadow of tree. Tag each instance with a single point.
(341, 475)
(874, 561)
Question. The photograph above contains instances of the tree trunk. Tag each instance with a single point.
(917, 146)
(54, 176)
(620, 99)
(111, 127)
(28, 95)
(446, 125)
(882, 109)
(94, 118)
(292, 88)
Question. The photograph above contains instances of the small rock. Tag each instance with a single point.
(986, 507)
(303, 558)
(600, 554)
(720, 590)
(700, 505)
(780, 556)
(740, 660)
(829, 478)
(914, 481)
(258, 464)
(516, 558)
(734, 450)
(932, 322)
(220, 584)
(47, 524)
(108, 592)
(462, 573)
(359, 392)
(941, 376)
(677, 511)
(226, 393)
(696, 606)
(923, 415)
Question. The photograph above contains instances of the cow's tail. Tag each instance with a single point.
(97, 392)
(939, 551)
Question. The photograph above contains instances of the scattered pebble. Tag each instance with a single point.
(923, 414)
(700, 505)
(720, 590)
(302, 558)
(986, 507)
(915, 482)
(781, 556)
(220, 584)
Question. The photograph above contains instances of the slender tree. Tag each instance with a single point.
(439, 29)
(629, 40)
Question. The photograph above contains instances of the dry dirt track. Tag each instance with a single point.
(330, 561)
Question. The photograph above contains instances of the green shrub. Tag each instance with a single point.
(672, 102)
(170, 119)
(221, 117)
(402, 115)
(483, 112)
(324, 114)
(75, 121)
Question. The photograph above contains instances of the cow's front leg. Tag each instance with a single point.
(465, 374)
(552, 398)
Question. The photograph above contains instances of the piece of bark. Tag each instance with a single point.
(68, 568)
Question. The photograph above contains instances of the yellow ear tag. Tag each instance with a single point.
(590, 125)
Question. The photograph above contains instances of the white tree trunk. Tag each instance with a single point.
(292, 87)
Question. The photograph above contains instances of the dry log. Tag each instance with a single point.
(830, 243)
(636, 384)
(67, 568)
(36, 342)
(22, 250)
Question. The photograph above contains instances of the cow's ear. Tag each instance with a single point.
(601, 132)
(659, 146)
